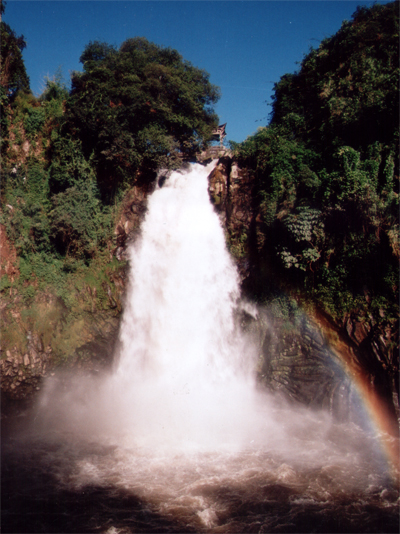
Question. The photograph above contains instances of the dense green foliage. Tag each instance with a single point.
(68, 159)
(13, 77)
(138, 106)
(326, 170)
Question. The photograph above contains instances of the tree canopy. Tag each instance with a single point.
(346, 90)
(327, 170)
(138, 105)
(13, 75)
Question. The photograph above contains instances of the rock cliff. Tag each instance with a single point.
(310, 357)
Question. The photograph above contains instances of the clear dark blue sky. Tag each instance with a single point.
(245, 46)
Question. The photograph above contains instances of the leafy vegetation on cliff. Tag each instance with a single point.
(69, 159)
(326, 191)
(327, 171)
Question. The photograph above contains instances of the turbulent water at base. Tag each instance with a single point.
(178, 438)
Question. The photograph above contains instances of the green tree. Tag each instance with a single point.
(137, 106)
(347, 89)
(13, 75)
(326, 171)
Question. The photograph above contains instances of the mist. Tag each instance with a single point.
(180, 416)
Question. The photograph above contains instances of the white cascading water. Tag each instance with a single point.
(177, 435)
(184, 372)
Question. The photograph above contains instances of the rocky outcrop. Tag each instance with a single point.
(297, 361)
(231, 192)
(308, 361)
(305, 361)
(370, 352)
(21, 373)
(132, 211)
(40, 338)
(8, 254)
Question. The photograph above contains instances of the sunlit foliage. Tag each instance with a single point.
(138, 106)
(326, 169)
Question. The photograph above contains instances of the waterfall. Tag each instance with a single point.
(184, 369)
(177, 438)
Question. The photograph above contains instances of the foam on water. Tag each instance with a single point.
(177, 437)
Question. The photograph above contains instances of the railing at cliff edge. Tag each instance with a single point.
(215, 152)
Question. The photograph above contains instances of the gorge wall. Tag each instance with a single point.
(309, 356)
(306, 357)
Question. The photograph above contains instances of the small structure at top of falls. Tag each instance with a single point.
(215, 152)
(219, 134)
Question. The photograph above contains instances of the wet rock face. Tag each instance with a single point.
(230, 189)
(375, 349)
(299, 363)
(22, 373)
(296, 362)
(219, 188)
(133, 209)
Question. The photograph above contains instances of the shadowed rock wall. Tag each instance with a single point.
(296, 356)
(302, 357)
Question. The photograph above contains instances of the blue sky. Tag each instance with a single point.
(245, 46)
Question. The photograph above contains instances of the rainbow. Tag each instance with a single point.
(379, 415)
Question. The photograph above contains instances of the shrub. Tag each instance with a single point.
(34, 121)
